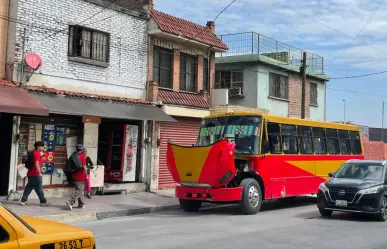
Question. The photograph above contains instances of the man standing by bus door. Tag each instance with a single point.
(79, 178)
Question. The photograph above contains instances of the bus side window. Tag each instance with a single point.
(344, 143)
(355, 143)
(289, 139)
(274, 134)
(332, 142)
(319, 141)
(305, 137)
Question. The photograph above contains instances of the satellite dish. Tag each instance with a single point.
(34, 61)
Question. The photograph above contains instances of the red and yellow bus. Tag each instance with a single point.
(246, 158)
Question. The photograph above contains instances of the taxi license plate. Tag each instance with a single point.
(341, 203)
(73, 244)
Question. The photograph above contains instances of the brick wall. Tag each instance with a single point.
(128, 38)
(295, 94)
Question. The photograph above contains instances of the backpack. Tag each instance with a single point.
(74, 163)
(29, 163)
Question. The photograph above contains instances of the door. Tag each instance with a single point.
(130, 153)
(6, 126)
(183, 132)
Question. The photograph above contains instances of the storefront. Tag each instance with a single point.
(113, 133)
(14, 102)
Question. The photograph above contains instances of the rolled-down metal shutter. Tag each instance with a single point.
(183, 132)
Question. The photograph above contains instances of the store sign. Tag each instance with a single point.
(49, 141)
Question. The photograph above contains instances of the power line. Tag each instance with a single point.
(98, 12)
(361, 93)
(365, 25)
(358, 76)
(316, 20)
(357, 62)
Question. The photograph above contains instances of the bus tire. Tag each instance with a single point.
(251, 196)
(190, 206)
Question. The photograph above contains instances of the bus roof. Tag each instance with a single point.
(289, 120)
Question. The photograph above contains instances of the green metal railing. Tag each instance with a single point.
(254, 43)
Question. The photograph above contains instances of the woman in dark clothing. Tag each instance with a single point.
(89, 166)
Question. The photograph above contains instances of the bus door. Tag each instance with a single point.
(274, 161)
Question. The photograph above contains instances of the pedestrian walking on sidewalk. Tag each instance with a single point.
(34, 175)
(89, 166)
(77, 164)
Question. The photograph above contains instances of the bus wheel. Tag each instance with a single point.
(190, 206)
(251, 196)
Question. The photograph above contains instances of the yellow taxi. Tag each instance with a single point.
(33, 233)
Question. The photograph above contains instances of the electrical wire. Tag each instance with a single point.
(332, 28)
(358, 76)
(362, 93)
(365, 25)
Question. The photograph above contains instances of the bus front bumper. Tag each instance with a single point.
(209, 194)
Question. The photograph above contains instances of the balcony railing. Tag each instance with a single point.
(254, 43)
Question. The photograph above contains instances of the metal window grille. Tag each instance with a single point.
(162, 66)
(313, 94)
(89, 44)
(188, 72)
(278, 86)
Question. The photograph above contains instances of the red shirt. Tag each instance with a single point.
(80, 175)
(35, 157)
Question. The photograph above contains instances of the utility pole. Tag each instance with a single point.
(23, 54)
(303, 80)
(344, 112)
(383, 127)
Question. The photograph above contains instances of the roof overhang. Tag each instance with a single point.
(17, 101)
(181, 39)
(59, 104)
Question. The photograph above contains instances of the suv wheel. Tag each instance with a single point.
(382, 216)
(325, 213)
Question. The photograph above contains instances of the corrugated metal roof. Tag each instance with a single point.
(183, 99)
(178, 26)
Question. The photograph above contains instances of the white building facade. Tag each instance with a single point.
(92, 80)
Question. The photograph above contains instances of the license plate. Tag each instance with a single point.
(341, 203)
(73, 244)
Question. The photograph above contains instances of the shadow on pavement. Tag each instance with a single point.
(267, 206)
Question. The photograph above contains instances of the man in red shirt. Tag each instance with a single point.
(35, 177)
(79, 178)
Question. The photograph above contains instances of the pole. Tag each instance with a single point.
(23, 53)
(344, 111)
(383, 127)
(303, 79)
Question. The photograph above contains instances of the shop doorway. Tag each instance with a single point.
(119, 150)
(6, 123)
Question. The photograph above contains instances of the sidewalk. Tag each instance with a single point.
(99, 207)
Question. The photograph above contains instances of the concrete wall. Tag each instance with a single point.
(47, 35)
(256, 92)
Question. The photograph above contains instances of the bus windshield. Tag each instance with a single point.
(243, 130)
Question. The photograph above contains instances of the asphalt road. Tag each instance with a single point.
(278, 225)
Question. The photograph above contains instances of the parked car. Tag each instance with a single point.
(358, 186)
(32, 233)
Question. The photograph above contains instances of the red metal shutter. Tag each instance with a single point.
(183, 132)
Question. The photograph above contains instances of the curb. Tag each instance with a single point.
(93, 216)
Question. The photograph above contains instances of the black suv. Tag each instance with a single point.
(358, 186)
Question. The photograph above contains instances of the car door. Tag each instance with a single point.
(8, 236)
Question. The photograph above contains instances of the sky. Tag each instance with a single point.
(333, 29)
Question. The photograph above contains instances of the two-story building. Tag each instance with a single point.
(260, 72)
(181, 66)
(82, 66)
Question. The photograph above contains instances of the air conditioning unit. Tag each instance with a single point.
(237, 91)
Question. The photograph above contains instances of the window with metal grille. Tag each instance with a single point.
(162, 66)
(188, 72)
(278, 86)
(206, 78)
(313, 94)
(229, 79)
(89, 44)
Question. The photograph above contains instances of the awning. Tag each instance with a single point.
(18, 101)
(60, 104)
